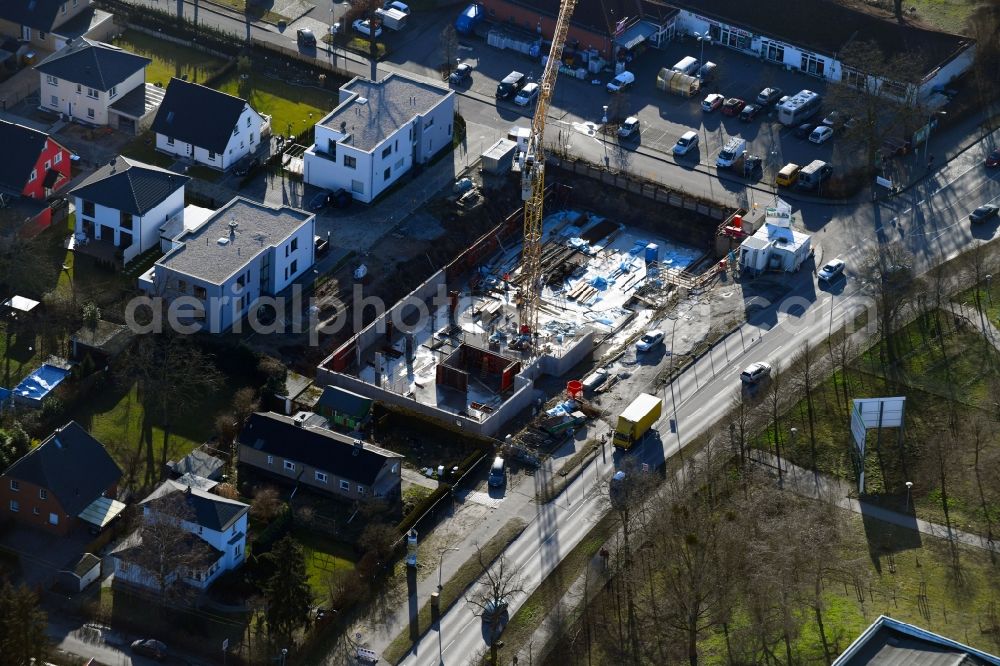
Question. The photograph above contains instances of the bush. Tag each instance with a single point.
(420, 508)
(273, 533)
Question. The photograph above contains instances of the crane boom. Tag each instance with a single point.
(533, 179)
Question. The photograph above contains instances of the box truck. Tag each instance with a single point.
(636, 420)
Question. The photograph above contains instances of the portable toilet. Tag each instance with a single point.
(652, 253)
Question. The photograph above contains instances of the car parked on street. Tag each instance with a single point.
(364, 27)
(511, 85)
(649, 340)
(527, 96)
(804, 130)
(305, 37)
(821, 134)
(149, 647)
(340, 198)
(984, 213)
(831, 270)
(398, 6)
(733, 106)
(750, 112)
(755, 372)
(712, 102)
(686, 143)
(622, 81)
(769, 96)
(629, 129)
(461, 74)
(993, 159)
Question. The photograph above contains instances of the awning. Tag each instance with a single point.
(101, 511)
(635, 35)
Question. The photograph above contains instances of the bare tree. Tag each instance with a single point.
(980, 432)
(775, 395)
(887, 269)
(449, 50)
(499, 584)
(805, 380)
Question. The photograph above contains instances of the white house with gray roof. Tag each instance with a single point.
(378, 131)
(121, 207)
(243, 251)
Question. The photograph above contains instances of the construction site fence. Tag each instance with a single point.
(643, 187)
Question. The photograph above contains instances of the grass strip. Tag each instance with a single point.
(568, 473)
(541, 602)
(455, 587)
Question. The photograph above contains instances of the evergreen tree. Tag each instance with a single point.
(286, 591)
(22, 626)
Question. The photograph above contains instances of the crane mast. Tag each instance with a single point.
(533, 180)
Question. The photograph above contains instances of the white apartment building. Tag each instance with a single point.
(377, 133)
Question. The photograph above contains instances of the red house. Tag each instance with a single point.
(34, 166)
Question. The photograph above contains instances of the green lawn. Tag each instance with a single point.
(947, 15)
(926, 383)
(169, 59)
(293, 108)
(143, 149)
(323, 556)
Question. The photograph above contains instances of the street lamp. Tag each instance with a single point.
(702, 37)
(440, 563)
(927, 139)
(909, 485)
(604, 123)
(284, 653)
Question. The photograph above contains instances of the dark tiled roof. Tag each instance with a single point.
(210, 511)
(317, 447)
(92, 64)
(889, 642)
(345, 402)
(129, 186)
(198, 115)
(71, 465)
(599, 16)
(37, 14)
(22, 147)
(797, 22)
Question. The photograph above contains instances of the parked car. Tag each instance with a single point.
(629, 128)
(461, 74)
(649, 340)
(527, 96)
(755, 372)
(305, 37)
(364, 27)
(321, 245)
(712, 102)
(821, 134)
(769, 96)
(733, 106)
(622, 81)
(804, 130)
(983, 213)
(753, 166)
(832, 270)
(750, 112)
(398, 6)
(834, 119)
(686, 143)
(498, 473)
(339, 199)
(149, 647)
(993, 159)
(511, 85)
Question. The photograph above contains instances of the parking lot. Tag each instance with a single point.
(663, 117)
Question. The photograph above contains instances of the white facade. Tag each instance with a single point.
(81, 103)
(132, 234)
(804, 60)
(339, 159)
(244, 140)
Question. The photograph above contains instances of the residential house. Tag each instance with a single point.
(887, 641)
(121, 207)
(207, 126)
(34, 166)
(377, 133)
(98, 84)
(788, 36)
(218, 529)
(291, 450)
(66, 481)
(344, 408)
(221, 268)
(42, 23)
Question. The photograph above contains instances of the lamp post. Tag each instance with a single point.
(284, 654)
(604, 123)
(440, 564)
(702, 37)
(927, 139)
(909, 486)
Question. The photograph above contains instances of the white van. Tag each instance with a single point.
(731, 152)
(687, 66)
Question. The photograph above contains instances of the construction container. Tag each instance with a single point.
(499, 158)
(652, 253)
(677, 83)
(637, 419)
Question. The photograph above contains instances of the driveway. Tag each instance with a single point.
(43, 554)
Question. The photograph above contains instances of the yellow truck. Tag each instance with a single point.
(636, 420)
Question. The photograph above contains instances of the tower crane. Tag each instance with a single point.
(533, 181)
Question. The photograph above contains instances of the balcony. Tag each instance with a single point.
(103, 251)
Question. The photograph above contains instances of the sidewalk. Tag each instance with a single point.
(982, 324)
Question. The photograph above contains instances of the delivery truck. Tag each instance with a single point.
(636, 420)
